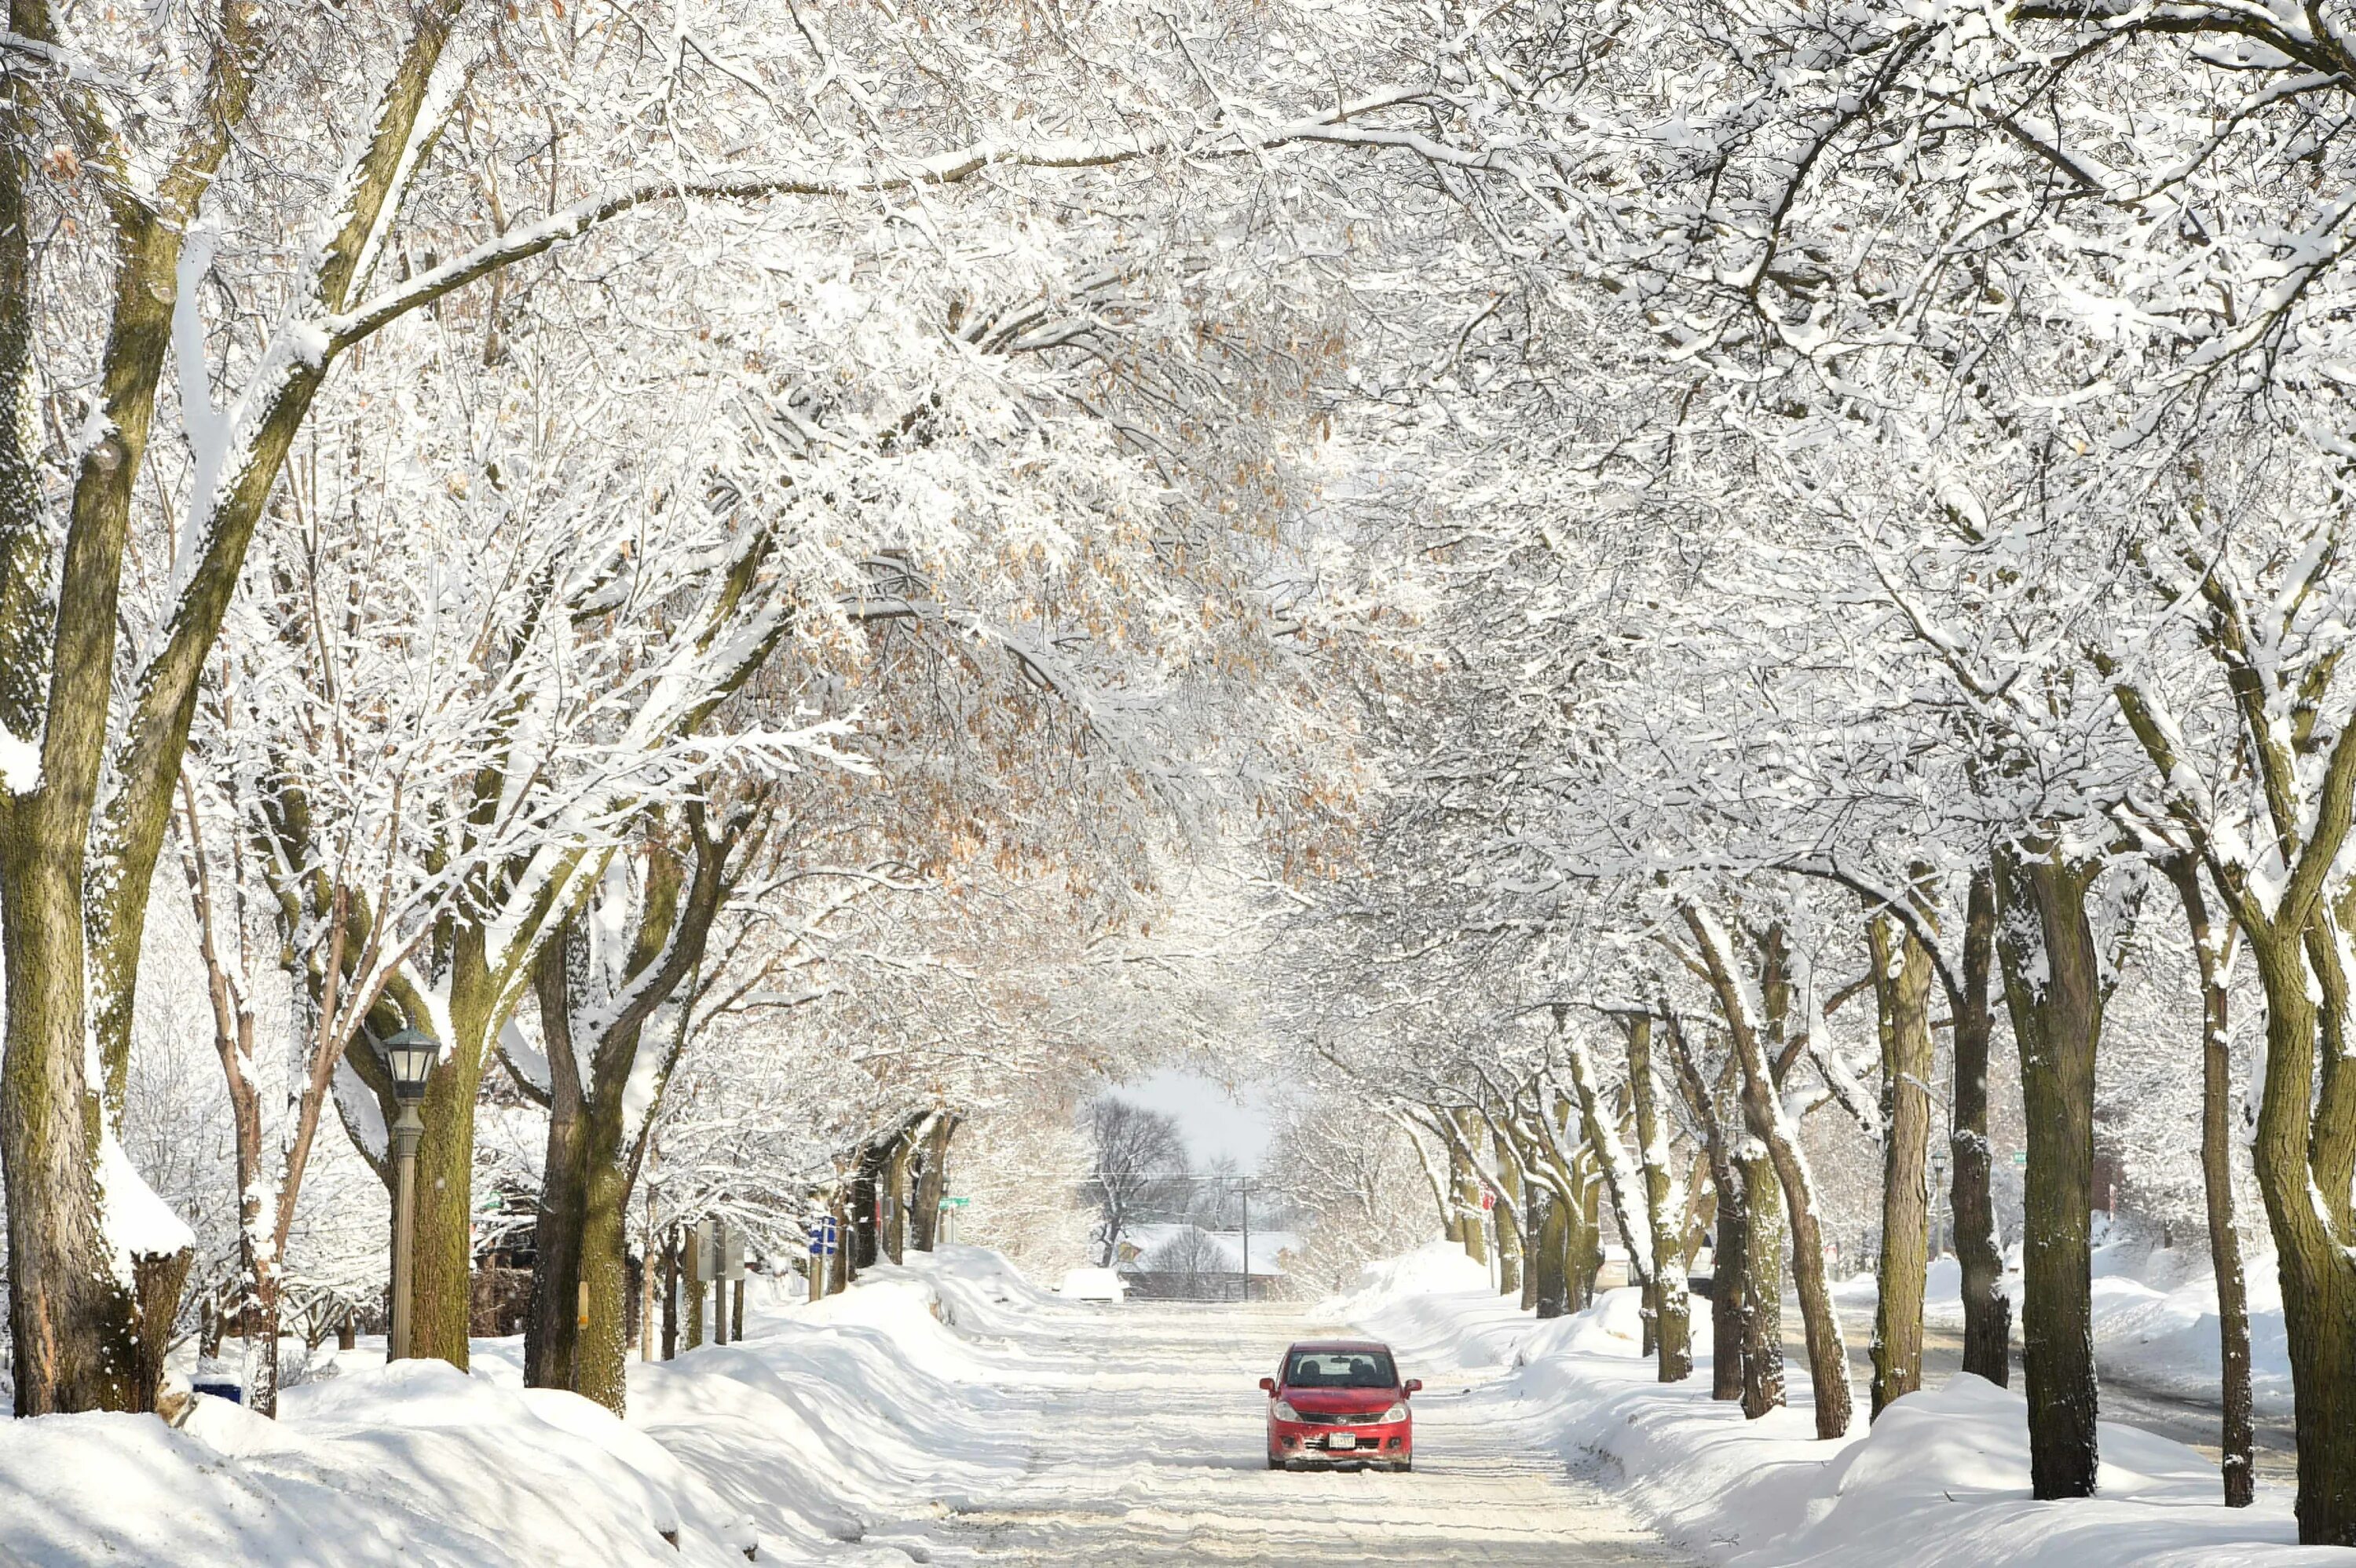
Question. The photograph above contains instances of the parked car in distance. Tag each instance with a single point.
(1339, 1402)
(1092, 1285)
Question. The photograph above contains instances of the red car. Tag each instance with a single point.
(1339, 1402)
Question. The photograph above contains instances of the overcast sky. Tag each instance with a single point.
(1215, 1122)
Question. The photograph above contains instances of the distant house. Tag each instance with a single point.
(1186, 1262)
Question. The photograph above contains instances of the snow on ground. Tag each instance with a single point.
(872, 1406)
(951, 1412)
(1940, 1479)
(2155, 1319)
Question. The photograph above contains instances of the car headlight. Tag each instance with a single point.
(1284, 1411)
(1397, 1412)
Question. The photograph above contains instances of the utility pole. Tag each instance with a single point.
(1243, 1185)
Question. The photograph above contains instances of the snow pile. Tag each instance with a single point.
(1435, 1268)
(875, 1406)
(2156, 1326)
(2155, 1319)
(1946, 1472)
(410, 1464)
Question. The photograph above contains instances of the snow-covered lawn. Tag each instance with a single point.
(1940, 1479)
(865, 1407)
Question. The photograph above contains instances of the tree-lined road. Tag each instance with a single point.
(1160, 1459)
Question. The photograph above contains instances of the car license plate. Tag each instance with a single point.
(1343, 1440)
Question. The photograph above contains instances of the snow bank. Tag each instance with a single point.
(410, 1464)
(2155, 1319)
(2156, 1326)
(1944, 1472)
(827, 1420)
(1435, 1268)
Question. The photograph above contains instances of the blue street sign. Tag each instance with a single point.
(824, 1241)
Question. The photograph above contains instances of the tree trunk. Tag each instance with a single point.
(1663, 1211)
(1762, 1282)
(74, 1327)
(1901, 985)
(1612, 1161)
(1509, 1216)
(690, 1287)
(1730, 1290)
(2319, 1272)
(1550, 1270)
(2054, 990)
(863, 1239)
(1988, 1311)
(895, 1200)
(1535, 1198)
(442, 1255)
(2237, 1437)
(258, 1261)
(932, 1172)
(550, 1324)
(601, 1344)
(1729, 1286)
(1763, 1110)
(671, 1295)
(159, 1279)
(441, 1304)
(1472, 1226)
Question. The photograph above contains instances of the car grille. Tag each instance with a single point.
(1369, 1418)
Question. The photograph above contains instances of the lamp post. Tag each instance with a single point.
(409, 1056)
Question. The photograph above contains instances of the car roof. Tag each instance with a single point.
(1322, 1345)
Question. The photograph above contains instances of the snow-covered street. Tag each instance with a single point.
(950, 1412)
(1157, 1458)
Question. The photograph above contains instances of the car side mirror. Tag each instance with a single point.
(1268, 1386)
(1412, 1385)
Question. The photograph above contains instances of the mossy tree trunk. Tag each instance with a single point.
(1761, 1310)
(1901, 985)
(1753, 1037)
(1509, 1214)
(2055, 992)
(1988, 1311)
(1663, 1208)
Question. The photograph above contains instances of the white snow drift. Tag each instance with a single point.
(1940, 1481)
(873, 1406)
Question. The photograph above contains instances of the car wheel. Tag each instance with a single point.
(1404, 1465)
(1274, 1463)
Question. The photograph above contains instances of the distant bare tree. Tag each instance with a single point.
(1191, 1250)
(1136, 1150)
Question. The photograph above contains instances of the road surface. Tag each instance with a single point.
(1158, 1458)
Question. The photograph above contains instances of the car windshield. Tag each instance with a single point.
(1341, 1369)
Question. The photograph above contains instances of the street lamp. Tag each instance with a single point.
(409, 1056)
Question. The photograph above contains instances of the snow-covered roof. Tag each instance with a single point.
(1227, 1246)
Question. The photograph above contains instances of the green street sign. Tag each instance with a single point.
(954, 1202)
(2021, 1156)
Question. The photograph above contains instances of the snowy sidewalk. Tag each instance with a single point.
(1941, 1481)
